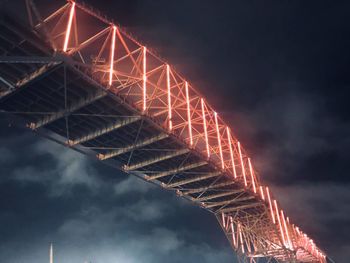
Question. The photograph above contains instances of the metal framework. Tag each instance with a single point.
(82, 80)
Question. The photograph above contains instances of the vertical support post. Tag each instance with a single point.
(111, 66)
(270, 203)
(169, 97)
(252, 175)
(241, 237)
(231, 152)
(223, 220)
(205, 128)
(219, 140)
(279, 222)
(144, 79)
(189, 113)
(233, 233)
(242, 163)
(69, 27)
(286, 230)
(262, 193)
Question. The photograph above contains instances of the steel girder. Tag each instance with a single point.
(193, 180)
(111, 127)
(176, 170)
(132, 147)
(158, 159)
(64, 112)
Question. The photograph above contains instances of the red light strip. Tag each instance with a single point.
(231, 152)
(270, 203)
(233, 233)
(279, 222)
(111, 66)
(205, 128)
(240, 237)
(262, 193)
(189, 114)
(219, 140)
(252, 175)
(223, 220)
(286, 230)
(69, 27)
(144, 79)
(242, 164)
(169, 97)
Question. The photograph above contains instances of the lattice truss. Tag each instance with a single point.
(82, 77)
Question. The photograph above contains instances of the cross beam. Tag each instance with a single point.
(201, 189)
(28, 59)
(156, 160)
(227, 202)
(242, 207)
(111, 127)
(28, 78)
(133, 146)
(192, 180)
(218, 195)
(64, 112)
(177, 170)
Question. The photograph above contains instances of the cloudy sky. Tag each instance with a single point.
(277, 71)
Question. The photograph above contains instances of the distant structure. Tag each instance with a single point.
(78, 78)
(51, 253)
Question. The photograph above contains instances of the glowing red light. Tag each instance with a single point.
(144, 79)
(69, 27)
(286, 230)
(205, 128)
(279, 222)
(219, 140)
(223, 219)
(252, 175)
(233, 233)
(169, 97)
(231, 152)
(111, 67)
(240, 237)
(242, 164)
(188, 114)
(262, 193)
(270, 203)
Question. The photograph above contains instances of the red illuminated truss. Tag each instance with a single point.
(250, 217)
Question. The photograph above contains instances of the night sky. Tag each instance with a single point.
(277, 71)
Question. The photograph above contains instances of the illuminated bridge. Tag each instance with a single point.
(78, 78)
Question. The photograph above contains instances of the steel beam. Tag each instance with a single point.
(201, 189)
(133, 146)
(28, 59)
(156, 160)
(218, 195)
(228, 202)
(177, 170)
(28, 78)
(64, 112)
(192, 180)
(242, 207)
(111, 127)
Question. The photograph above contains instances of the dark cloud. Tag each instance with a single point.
(276, 71)
(62, 197)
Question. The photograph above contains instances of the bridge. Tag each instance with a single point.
(78, 78)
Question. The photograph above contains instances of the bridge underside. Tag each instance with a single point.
(62, 98)
(58, 97)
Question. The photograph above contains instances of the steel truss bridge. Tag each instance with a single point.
(75, 76)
